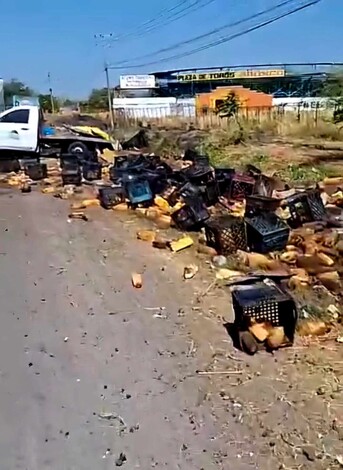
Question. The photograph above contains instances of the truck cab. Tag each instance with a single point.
(20, 129)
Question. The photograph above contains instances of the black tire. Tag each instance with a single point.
(78, 147)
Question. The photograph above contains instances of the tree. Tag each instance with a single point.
(229, 107)
(98, 99)
(68, 102)
(16, 87)
(333, 87)
(46, 104)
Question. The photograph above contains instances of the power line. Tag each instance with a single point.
(205, 35)
(165, 17)
(226, 38)
(196, 6)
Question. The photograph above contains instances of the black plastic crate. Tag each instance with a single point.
(226, 234)
(256, 205)
(178, 178)
(189, 191)
(9, 165)
(306, 207)
(198, 174)
(210, 193)
(193, 156)
(36, 171)
(153, 161)
(223, 177)
(241, 186)
(264, 302)
(266, 233)
(138, 191)
(71, 174)
(70, 158)
(110, 197)
(92, 171)
(164, 169)
(157, 182)
(191, 216)
(130, 161)
(121, 173)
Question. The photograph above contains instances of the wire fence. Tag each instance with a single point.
(207, 118)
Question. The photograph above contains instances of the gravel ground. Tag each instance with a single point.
(95, 374)
(89, 367)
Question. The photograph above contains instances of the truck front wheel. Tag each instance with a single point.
(78, 147)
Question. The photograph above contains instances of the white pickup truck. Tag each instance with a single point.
(21, 135)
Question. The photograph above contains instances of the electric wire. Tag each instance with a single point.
(206, 35)
(225, 39)
(164, 18)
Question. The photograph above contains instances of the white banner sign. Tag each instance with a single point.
(137, 81)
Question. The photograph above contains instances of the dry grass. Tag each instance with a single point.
(252, 121)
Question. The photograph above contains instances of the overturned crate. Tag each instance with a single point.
(92, 171)
(36, 171)
(226, 234)
(257, 205)
(138, 191)
(198, 174)
(266, 233)
(71, 174)
(306, 207)
(191, 216)
(210, 193)
(110, 197)
(240, 186)
(264, 302)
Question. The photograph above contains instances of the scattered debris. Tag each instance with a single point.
(276, 338)
(137, 280)
(26, 187)
(224, 273)
(190, 271)
(181, 244)
(49, 190)
(219, 261)
(85, 203)
(207, 250)
(146, 235)
(78, 215)
(160, 243)
(248, 343)
(312, 328)
(121, 460)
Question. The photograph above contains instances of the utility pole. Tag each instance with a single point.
(51, 95)
(109, 95)
(101, 40)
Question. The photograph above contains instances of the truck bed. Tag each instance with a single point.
(54, 139)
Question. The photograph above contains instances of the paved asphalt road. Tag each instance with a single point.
(86, 371)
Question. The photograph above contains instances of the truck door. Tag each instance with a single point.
(19, 129)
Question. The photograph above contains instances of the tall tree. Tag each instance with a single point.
(98, 99)
(16, 87)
